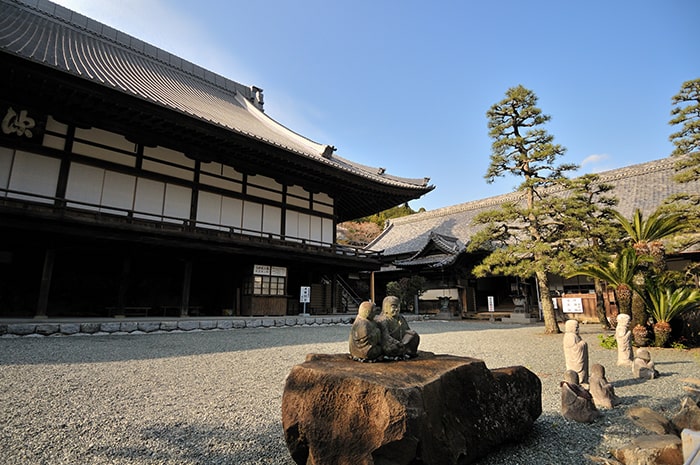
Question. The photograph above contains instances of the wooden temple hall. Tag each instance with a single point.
(133, 182)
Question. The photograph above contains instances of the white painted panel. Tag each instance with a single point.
(297, 202)
(85, 185)
(6, 157)
(107, 138)
(316, 229)
(168, 170)
(34, 174)
(104, 154)
(323, 208)
(209, 209)
(304, 226)
(150, 196)
(291, 224)
(54, 142)
(264, 194)
(206, 180)
(298, 191)
(264, 181)
(252, 217)
(272, 220)
(168, 155)
(323, 197)
(211, 167)
(54, 126)
(231, 212)
(118, 192)
(328, 236)
(178, 200)
(231, 173)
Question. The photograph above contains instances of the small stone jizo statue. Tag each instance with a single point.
(398, 340)
(576, 402)
(365, 336)
(575, 351)
(623, 336)
(602, 391)
(643, 367)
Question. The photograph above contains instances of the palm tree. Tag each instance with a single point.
(619, 274)
(665, 303)
(646, 235)
(646, 238)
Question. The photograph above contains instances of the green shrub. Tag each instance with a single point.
(608, 342)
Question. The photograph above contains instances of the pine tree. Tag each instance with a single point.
(525, 237)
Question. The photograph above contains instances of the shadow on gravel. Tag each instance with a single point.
(188, 444)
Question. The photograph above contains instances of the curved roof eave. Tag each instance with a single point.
(56, 37)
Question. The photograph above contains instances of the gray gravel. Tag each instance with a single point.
(214, 397)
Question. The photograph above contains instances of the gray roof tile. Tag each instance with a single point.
(645, 186)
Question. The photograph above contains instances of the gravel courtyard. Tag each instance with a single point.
(214, 397)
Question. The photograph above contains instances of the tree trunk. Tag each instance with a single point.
(550, 319)
(600, 303)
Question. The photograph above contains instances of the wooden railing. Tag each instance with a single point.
(101, 214)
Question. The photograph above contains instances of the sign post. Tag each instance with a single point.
(492, 307)
(305, 298)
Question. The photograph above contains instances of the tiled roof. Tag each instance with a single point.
(439, 251)
(56, 37)
(644, 186)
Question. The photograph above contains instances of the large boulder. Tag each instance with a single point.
(432, 409)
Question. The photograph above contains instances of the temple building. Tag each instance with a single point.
(133, 182)
(433, 244)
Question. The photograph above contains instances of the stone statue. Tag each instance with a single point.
(602, 391)
(575, 351)
(623, 336)
(642, 366)
(398, 340)
(365, 336)
(576, 402)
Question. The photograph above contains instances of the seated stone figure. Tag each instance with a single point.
(398, 340)
(575, 351)
(576, 402)
(643, 367)
(365, 336)
(602, 391)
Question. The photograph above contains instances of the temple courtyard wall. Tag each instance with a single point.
(214, 396)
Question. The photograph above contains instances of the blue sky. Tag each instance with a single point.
(405, 84)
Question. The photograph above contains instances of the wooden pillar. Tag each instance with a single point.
(45, 286)
(186, 285)
(371, 287)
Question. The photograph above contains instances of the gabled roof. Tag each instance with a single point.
(54, 37)
(644, 186)
(439, 251)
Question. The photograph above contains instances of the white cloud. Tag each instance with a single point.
(594, 159)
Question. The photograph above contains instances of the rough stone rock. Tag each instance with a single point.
(129, 326)
(47, 329)
(110, 327)
(432, 409)
(21, 329)
(688, 417)
(70, 328)
(188, 325)
(651, 421)
(655, 449)
(89, 328)
(148, 326)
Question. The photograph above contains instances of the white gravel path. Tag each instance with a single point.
(214, 397)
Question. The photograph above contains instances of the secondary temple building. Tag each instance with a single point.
(433, 244)
(135, 182)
